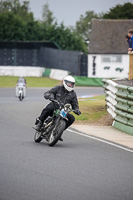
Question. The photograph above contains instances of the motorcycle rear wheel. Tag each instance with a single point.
(37, 137)
(53, 139)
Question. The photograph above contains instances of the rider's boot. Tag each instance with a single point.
(38, 124)
(61, 139)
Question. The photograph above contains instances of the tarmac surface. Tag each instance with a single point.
(82, 167)
(108, 133)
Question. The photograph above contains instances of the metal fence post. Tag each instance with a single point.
(130, 76)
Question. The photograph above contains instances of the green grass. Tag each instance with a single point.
(93, 109)
(10, 81)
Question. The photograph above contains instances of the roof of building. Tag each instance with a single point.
(108, 36)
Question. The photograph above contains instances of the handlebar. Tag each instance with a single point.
(58, 102)
(61, 105)
(55, 101)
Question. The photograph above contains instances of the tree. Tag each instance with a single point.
(33, 31)
(18, 24)
(83, 26)
(47, 15)
(8, 30)
(15, 7)
(5, 6)
(65, 38)
(124, 11)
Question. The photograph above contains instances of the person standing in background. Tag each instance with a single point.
(130, 34)
(129, 41)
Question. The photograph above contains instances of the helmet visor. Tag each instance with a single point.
(69, 84)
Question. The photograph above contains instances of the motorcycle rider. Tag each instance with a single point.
(21, 82)
(63, 94)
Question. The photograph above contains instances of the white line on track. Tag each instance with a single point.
(101, 140)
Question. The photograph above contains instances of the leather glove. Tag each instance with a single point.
(46, 95)
(77, 112)
(51, 98)
(56, 105)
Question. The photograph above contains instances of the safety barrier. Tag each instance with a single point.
(21, 71)
(28, 71)
(119, 100)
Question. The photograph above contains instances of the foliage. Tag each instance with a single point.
(84, 24)
(64, 37)
(8, 24)
(124, 11)
(14, 7)
(18, 24)
(47, 15)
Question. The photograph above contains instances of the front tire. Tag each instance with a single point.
(56, 135)
(37, 137)
(20, 97)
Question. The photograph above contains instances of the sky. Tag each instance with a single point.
(69, 11)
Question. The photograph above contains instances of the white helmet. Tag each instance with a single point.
(69, 83)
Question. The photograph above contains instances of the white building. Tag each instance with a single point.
(108, 50)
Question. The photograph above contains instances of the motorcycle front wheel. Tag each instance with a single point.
(57, 133)
(20, 97)
(37, 137)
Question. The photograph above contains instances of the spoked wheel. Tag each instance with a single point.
(37, 137)
(56, 134)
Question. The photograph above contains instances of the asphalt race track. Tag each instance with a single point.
(79, 168)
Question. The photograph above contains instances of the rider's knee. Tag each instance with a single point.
(71, 118)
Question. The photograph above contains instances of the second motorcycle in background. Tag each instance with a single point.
(21, 88)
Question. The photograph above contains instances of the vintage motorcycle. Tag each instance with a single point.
(20, 91)
(53, 127)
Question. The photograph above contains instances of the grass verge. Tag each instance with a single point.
(10, 81)
(93, 111)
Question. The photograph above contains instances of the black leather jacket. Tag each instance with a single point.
(62, 95)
